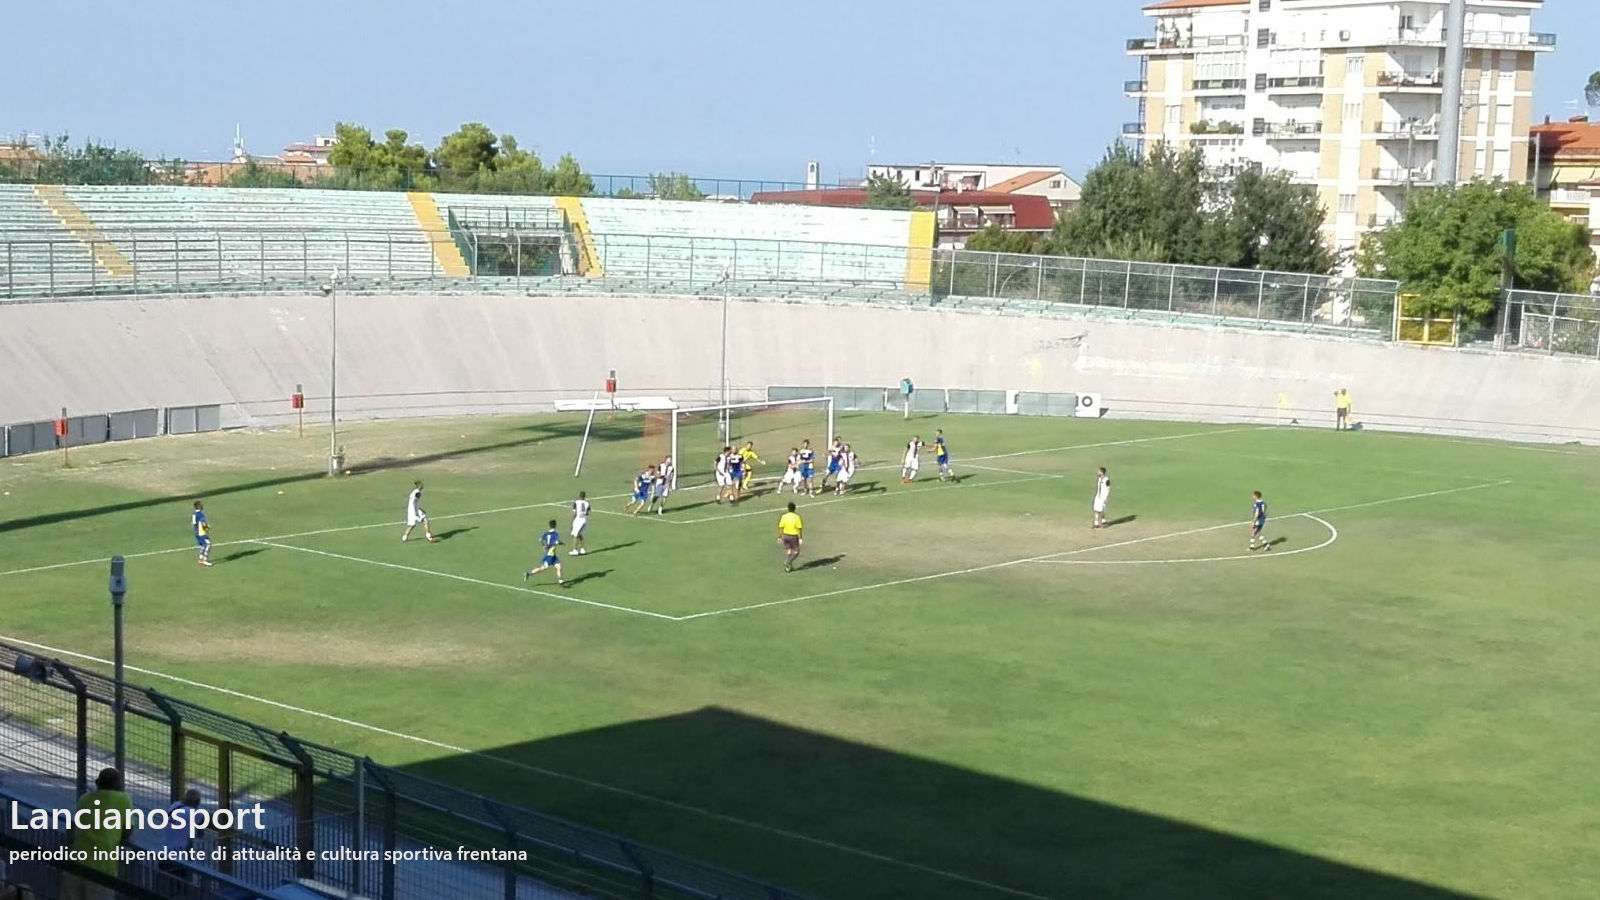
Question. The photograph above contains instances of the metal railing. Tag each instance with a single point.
(211, 262)
(57, 720)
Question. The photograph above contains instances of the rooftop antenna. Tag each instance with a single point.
(238, 144)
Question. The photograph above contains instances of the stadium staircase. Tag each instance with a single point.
(72, 218)
(440, 238)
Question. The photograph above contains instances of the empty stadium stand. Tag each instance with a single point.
(41, 256)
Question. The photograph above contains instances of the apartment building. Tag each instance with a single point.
(1347, 95)
(1049, 182)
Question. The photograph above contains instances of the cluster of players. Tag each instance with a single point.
(735, 471)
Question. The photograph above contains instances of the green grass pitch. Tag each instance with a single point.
(964, 692)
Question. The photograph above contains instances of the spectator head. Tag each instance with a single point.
(109, 780)
(191, 797)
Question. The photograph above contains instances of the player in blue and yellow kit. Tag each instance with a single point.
(735, 474)
(808, 462)
(942, 455)
(550, 540)
(1258, 522)
(202, 532)
(642, 484)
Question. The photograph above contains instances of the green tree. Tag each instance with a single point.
(1004, 240)
(95, 163)
(1591, 91)
(888, 193)
(255, 176)
(1447, 251)
(674, 186)
(1154, 201)
(464, 154)
(569, 179)
(1269, 222)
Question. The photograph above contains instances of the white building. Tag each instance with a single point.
(1048, 182)
(1342, 94)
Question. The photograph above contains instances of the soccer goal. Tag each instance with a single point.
(696, 435)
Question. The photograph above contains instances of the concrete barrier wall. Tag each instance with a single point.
(438, 354)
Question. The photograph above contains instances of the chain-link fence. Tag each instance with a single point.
(1540, 322)
(351, 820)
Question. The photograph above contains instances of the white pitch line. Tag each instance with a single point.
(551, 773)
(973, 465)
(868, 495)
(1143, 440)
(469, 580)
(1048, 556)
(1333, 535)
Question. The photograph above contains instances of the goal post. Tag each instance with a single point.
(772, 425)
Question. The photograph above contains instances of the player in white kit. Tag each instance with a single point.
(847, 469)
(416, 515)
(665, 473)
(1102, 497)
(908, 467)
(580, 523)
(791, 475)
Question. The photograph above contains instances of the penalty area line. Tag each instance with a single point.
(552, 773)
(1333, 536)
(972, 570)
(567, 598)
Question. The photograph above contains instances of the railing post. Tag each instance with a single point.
(177, 265)
(647, 259)
(347, 255)
(1216, 290)
(135, 263)
(305, 259)
(1261, 293)
(517, 238)
(11, 269)
(1127, 284)
(388, 239)
(219, 257)
(952, 291)
(261, 257)
(1038, 284)
(1083, 283)
(1172, 285)
(1305, 303)
(994, 276)
(50, 263)
(1550, 340)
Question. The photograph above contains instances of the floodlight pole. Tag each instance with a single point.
(333, 374)
(726, 433)
(119, 589)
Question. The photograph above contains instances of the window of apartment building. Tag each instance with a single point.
(1055, 184)
(1263, 37)
(1347, 203)
(1352, 113)
(1502, 163)
(1354, 65)
(1264, 5)
(1408, 22)
(1174, 113)
(1208, 66)
(1481, 161)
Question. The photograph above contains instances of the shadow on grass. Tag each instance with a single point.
(622, 546)
(237, 555)
(587, 576)
(1121, 520)
(819, 562)
(837, 819)
(447, 535)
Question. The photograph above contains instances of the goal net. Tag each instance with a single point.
(696, 435)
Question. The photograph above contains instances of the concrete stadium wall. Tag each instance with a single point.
(430, 354)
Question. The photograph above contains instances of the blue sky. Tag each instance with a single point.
(723, 89)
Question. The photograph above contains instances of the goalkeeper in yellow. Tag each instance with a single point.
(747, 453)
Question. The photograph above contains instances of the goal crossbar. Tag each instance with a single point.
(724, 408)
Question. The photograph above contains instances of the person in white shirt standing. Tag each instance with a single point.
(666, 475)
(1102, 497)
(909, 466)
(416, 515)
(580, 523)
(847, 469)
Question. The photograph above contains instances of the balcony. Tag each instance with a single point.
(1382, 220)
(1135, 87)
(1286, 130)
(1133, 128)
(1182, 43)
(1207, 126)
(1570, 197)
(1408, 130)
(1421, 175)
(1311, 84)
(1520, 40)
(1218, 85)
(1432, 81)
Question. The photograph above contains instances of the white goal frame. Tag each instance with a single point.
(724, 408)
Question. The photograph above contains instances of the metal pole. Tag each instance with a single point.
(119, 589)
(333, 375)
(725, 286)
(1455, 23)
